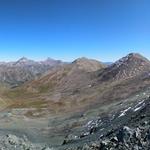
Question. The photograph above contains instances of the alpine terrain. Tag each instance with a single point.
(81, 105)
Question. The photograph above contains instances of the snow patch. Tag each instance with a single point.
(138, 108)
(139, 104)
(93, 123)
(124, 112)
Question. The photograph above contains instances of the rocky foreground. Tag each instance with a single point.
(128, 129)
(123, 139)
(12, 142)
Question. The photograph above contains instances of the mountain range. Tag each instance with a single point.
(16, 73)
(71, 94)
(82, 81)
(88, 81)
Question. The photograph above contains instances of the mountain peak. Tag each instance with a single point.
(88, 64)
(129, 66)
(23, 59)
(135, 55)
(131, 58)
(81, 59)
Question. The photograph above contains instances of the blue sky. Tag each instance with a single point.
(67, 29)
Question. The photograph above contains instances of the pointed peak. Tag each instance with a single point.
(23, 59)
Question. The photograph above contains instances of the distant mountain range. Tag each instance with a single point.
(18, 72)
(15, 73)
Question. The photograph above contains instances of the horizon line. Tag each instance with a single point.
(63, 60)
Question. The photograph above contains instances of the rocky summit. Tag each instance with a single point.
(126, 67)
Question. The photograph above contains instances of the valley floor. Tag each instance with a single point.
(94, 128)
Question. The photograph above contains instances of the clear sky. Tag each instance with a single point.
(67, 29)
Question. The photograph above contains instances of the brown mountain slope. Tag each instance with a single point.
(67, 76)
(88, 65)
(127, 67)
